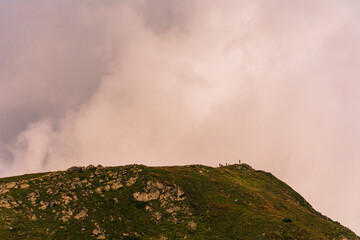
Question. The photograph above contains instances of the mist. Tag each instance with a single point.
(182, 82)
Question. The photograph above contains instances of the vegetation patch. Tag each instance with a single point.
(139, 202)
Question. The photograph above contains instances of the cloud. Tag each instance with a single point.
(181, 82)
(49, 61)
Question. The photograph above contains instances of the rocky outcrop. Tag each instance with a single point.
(192, 225)
(5, 201)
(67, 214)
(81, 215)
(32, 197)
(24, 185)
(116, 185)
(98, 232)
(156, 190)
(2, 191)
(76, 169)
(43, 205)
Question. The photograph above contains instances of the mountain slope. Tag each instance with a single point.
(139, 202)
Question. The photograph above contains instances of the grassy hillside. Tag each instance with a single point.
(139, 202)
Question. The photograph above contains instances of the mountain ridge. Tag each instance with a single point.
(175, 202)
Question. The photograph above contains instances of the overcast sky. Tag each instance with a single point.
(173, 82)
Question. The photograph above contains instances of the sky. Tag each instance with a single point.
(175, 82)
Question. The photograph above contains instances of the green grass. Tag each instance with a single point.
(233, 202)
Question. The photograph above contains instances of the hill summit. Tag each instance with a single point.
(139, 202)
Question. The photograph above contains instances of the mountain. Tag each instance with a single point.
(139, 202)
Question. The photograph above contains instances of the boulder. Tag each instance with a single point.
(157, 190)
(24, 185)
(117, 185)
(5, 201)
(82, 214)
(76, 169)
(192, 225)
(144, 197)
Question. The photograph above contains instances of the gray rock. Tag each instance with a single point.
(98, 232)
(32, 197)
(76, 169)
(90, 167)
(5, 201)
(131, 181)
(67, 214)
(43, 205)
(82, 214)
(117, 185)
(24, 185)
(75, 185)
(156, 190)
(192, 225)
(144, 197)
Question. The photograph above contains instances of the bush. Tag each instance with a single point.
(140, 205)
(287, 220)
